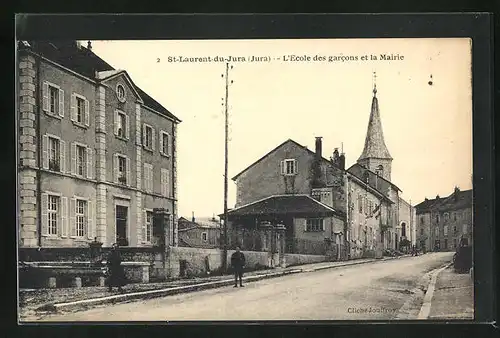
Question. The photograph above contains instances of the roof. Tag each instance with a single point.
(457, 200)
(359, 171)
(374, 142)
(285, 205)
(200, 222)
(276, 148)
(85, 62)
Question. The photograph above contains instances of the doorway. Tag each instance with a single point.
(121, 215)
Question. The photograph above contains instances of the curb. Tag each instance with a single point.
(143, 295)
(159, 293)
(425, 310)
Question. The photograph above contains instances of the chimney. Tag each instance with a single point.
(192, 218)
(319, 147)
(342, 161)
(89, 45)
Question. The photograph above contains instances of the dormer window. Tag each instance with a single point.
(120, 92)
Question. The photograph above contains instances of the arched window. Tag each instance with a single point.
(403, 229)
(380, 170)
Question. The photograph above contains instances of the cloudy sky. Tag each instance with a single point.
(427, 128)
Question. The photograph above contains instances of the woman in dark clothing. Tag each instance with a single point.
(116, 275)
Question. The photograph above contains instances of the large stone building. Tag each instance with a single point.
(367, 211)
(444, 223)
(96, 153)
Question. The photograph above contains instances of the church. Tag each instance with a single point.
(326, 208)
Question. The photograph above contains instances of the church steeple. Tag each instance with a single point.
(375, 155)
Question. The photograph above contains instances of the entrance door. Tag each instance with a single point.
(121, 225)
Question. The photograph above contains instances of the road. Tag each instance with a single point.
(373, 291)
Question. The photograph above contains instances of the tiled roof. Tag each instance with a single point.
(285, 205)
(84, 62)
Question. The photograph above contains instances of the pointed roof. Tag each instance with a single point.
(374, 143)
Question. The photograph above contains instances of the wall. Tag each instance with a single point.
(406, 214)
(264, 178)
(424, 230)
(297, 259)
(82, 254)
(193, 238)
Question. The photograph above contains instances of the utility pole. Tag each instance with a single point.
(226, 128)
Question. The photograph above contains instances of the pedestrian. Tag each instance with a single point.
(238, 263)
(116, 274)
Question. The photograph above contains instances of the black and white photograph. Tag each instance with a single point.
(245, 180)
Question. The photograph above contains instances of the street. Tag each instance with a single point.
(372, 291)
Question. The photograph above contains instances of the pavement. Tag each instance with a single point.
(453, 296)
(389, 289)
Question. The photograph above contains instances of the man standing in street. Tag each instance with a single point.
(238, 263)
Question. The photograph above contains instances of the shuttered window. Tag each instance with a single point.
(147, 227)
(165, 143)
(148, 177)
(288, 167)
(53, 99)
(53, 214)
(122, 125)
(165, 182)
(148, 137)
(80, 110)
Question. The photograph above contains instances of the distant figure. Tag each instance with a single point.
(238, 263)
(116, 275)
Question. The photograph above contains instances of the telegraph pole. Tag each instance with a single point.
(226, 132)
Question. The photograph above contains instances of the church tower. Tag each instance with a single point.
(375, 155)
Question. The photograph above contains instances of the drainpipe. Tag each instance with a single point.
(39, 148)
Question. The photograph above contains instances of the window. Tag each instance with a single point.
(148, 226)
(81, 160)
(54, 154)
(437, 218)
(380, 170)
(121, 125)
(455, 229)
(360, 204)
(289, 167)
(436, 231)
(446, 216)
(148, 177)
(164, 143)
(80, 217)
(121, 169)
(80, 112)
(421, 231)
(445, 230)
(120, 92)
(464, 229)
(455, 216)
(314, 225)
(148, 137)
(52, 214)
(53, 99)
(165, 182)
(204, 236)
(422, 220)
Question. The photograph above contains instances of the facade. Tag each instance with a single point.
(96, 154)
(199, 232)
(406, 228)
(374, 215)
(445, 223)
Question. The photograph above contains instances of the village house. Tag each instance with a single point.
(358, 209)
(445, 223)
(97, 155)
(199, 232)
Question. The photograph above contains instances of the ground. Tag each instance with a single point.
(382, 290)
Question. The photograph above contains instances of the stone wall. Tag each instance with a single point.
(297, 259)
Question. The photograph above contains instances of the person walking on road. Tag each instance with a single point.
(116, 275)
(238, 263)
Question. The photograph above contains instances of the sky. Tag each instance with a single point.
(427, 128)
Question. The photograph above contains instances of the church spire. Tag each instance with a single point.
(375, 150)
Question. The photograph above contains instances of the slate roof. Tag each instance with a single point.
(360, 171)
(374, 142)
(85, 62)
(457, 200)
(293, 205)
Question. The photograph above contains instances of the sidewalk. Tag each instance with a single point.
(50, 300)
(453, 296)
